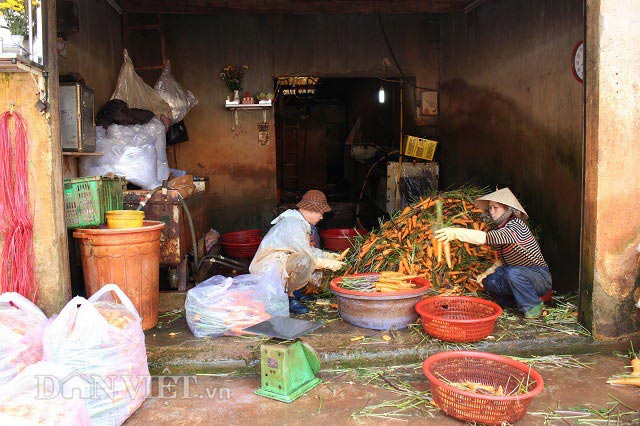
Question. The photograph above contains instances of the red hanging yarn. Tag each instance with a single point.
(17, 265)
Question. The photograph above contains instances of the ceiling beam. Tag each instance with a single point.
(299, 7)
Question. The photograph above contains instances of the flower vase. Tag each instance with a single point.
(236, 95)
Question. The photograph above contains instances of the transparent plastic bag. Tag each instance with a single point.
(136, 152)
(222, 306)
(21, 327)
(417, 180)
(36, 396)
(136, 93)
(179, 99)
(102, 341)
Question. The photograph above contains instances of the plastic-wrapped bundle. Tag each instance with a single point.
(179, 99)
(37, 396)
(223, 306)
(102, 341)
(136, 93)
(137, 152)
(21, 327)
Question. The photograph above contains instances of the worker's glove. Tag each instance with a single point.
(472, 236)
(330, 255)
(334, 265)
(488, 272)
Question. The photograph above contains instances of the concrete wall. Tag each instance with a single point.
(610, 273)
(96, 52)
(243, 175)
(512, 114)
(45, 177)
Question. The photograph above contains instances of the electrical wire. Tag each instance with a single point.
(395, 61)
(17, 271)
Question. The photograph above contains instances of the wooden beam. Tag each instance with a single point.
(294, 7)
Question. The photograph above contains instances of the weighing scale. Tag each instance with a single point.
(287, 364)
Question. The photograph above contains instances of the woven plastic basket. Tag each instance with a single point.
(86, 199)
(459, 319)
(82, 202)
(520, 382)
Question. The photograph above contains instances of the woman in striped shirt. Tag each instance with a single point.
(521, 273)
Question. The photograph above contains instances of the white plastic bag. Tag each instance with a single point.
(21, 327)
(102, 341)
(37, 396)
(136, 93)
(179, 99)
(223, 306)
(136, 152)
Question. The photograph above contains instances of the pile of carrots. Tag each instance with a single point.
(628, 379)
(406, 244)
(385, 281)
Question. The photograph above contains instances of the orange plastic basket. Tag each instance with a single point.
(488, 369)
(459, 319)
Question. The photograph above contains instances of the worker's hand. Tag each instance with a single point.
(472, 236)
(488, 272)
(334, 265)
(330, 255)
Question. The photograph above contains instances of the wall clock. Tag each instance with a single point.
(577, 61)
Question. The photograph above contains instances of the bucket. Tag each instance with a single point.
(129, 258)
(121, 219)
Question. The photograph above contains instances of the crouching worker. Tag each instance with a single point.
(521, 273)
(288, 246)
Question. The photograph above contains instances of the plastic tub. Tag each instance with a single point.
(241, 244)
(248, 236)
(123, 219)
(379, 310)
(129, 258)
(488, 369)
(339, 239)
(459, 319)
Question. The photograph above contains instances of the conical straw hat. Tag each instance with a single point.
(502, 196)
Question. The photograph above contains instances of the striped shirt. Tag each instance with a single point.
(516, 245)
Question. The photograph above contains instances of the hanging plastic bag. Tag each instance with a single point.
(223, 306)
(21, 327)
(137, 152)
(37, 396)
(102, 340)
(179, 99)
(136, 93)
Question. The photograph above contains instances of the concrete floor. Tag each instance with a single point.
(344, 393)
(222, 373)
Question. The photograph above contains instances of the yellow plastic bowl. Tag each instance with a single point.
(118, 219)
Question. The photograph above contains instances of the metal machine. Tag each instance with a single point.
(176, 241)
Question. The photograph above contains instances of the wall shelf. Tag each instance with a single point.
(248, 107)
(235, 107)
(81, 154)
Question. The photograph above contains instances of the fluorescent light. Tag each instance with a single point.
(381, 95)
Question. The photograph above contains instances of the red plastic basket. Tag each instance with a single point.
(241, 244)
(488, 369)
(459, 319)
(338, 239)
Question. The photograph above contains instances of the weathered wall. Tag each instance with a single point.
(612, 179)
(243, 175)
(96, 52)
(512, 114)
(45, 178)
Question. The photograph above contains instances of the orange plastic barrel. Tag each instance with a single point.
(129, 258)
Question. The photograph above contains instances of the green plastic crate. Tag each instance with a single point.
(87, 199)
(82, 202)
(111, 194)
